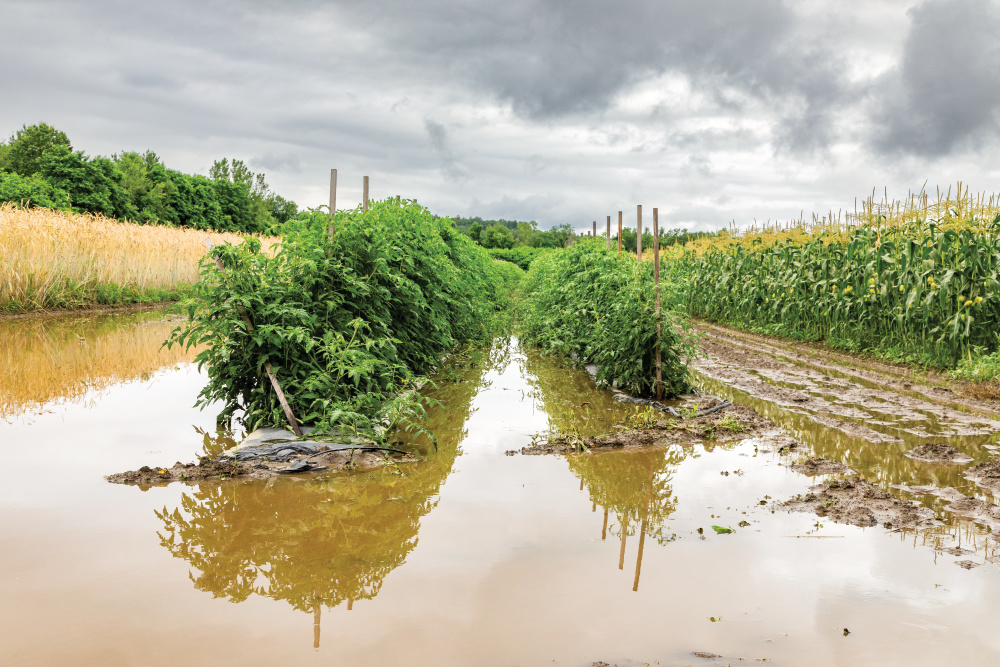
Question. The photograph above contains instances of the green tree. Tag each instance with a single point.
(475, 232)
(146, 185)
(27, 147)
(94, 185)
(31, 191)
(497, 235)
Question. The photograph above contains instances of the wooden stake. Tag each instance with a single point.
(285, 407)
(638, 232)
(656, 283)
(333, 201)
(609, 232)
(364, 201)
(595, 228)
(619, 232)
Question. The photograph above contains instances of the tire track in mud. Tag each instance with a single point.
(867, 419)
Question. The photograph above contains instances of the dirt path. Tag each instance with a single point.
(919, 447)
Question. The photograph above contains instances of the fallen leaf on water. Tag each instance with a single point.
(721, 530)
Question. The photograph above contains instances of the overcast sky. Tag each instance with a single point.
(556, 111)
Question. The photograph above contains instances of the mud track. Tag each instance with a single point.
(924, 449)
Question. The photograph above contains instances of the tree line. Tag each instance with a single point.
(504, 234)
(39, 167)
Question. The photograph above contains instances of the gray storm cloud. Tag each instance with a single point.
(946, 89)
(539, 109)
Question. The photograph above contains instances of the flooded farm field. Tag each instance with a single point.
(475, 554)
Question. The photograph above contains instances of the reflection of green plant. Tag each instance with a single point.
(635, 486)
(321, 541)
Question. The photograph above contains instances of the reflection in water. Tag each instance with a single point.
(880, 463)
(569, 398)
(65, 357)
(326, 540)
(635, 486)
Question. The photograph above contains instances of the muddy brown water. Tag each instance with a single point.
(468, 556)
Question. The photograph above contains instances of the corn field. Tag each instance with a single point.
(890, 277)
(55, 259)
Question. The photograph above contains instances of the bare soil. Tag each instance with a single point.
(821, 466)
(89, 310)
(986, 475)
(735, 422)
(938, 452)
(209, 468)
(860, 503)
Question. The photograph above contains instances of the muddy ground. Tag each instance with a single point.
(735, 422)
(214, 469)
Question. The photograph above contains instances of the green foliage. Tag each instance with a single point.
(917, 287)
(137, 187)
(94, 185)
(497, 236)
(522, 256)
(346, 325)
(31, 191)
(147, 187)
(591, 302)
(979, 367)
(26, 149)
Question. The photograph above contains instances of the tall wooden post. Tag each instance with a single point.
(608, 234)
(619, 232)
(364, 200)
(638, 232)
(595, 228)
(656, 283)
(333, 202)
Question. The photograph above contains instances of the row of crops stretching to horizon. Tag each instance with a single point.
(912, 281)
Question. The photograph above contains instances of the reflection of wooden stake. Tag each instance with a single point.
(316, 612)
(350, 604)
(621, 556)
(333, 201)
(638, 232)
(638, 559)
(581, 484)
(656, 282)
(364, 201)
(593, 508)
(642, 530)
(604, 530)
(285, 407)
(619, 232)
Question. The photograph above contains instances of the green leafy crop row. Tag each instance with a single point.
(347, 324)
(591, 302)
(931, 291)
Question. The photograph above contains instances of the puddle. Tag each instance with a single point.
(468, 556)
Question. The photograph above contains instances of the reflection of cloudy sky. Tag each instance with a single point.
(557, 111)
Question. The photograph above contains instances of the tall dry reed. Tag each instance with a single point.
(53, 258)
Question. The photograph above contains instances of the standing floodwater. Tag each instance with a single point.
(468, 556)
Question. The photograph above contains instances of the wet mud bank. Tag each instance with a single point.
(730, 423)
(270, 452)
(894, 451)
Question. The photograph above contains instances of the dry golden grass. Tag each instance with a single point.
(65, 358)
(947, 209)
(42, 251)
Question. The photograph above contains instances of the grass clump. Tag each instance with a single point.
(593, 303)
(348, 323)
